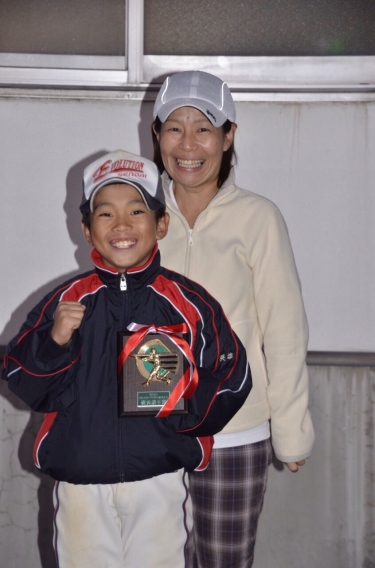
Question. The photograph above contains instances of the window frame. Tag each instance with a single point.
(136, 71)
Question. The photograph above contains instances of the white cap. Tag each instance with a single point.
(123, 167)
(197, 89)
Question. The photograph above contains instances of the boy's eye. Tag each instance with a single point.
(105, 214)
(137, 212)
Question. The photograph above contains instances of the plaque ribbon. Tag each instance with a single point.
(186, 386)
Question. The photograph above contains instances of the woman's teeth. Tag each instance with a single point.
(189, 163)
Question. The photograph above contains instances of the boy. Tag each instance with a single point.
(120, 496)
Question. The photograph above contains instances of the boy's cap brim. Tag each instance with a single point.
(123, 167)
(197, 89)
(151, 203)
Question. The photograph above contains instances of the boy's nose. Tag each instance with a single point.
(122, 225)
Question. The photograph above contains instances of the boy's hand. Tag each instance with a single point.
(68, 317)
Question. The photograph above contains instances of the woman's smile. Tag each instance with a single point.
(189, 164)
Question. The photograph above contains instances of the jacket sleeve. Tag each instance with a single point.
(38, 370)
(284, 328)
(223, 370)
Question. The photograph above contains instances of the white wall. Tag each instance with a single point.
(315, 160)
(324, 516)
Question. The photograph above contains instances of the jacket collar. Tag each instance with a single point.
(137, 277)
(227, 188)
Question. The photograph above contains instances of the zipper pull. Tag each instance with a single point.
(190, 237)
(123, 285)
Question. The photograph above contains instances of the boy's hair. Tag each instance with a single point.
(86, 216)
(228, 160)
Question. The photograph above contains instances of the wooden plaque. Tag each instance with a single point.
(149, 375)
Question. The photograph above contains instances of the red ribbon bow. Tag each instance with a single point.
(186, 386)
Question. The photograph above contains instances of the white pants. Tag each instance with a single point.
(143, 524)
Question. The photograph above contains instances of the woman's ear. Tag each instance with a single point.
(86, 233)
(162, 227)
(229, 136)
(157, 134)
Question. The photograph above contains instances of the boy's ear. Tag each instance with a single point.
(162, 227)
(86, 233)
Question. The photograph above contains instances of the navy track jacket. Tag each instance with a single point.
(83, 439)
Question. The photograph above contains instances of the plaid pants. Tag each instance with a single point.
(227, 501)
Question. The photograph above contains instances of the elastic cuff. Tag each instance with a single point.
(50, 350)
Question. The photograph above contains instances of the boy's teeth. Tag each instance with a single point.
(123, 244)
(189, 163)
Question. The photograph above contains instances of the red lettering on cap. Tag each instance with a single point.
(102, 170)
(128, 165)
(119, 168)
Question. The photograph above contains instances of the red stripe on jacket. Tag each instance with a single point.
(171, 291)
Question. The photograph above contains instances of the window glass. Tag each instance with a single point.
(69, 27)
(260, 27)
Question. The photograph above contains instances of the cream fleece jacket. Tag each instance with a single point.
(239, 250)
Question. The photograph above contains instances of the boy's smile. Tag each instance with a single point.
(122, 229)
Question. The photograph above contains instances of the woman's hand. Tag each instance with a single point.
(294, 466)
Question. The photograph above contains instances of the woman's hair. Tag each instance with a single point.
(86, 216)
(229, 158)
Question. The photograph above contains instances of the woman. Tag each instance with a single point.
(236, 244)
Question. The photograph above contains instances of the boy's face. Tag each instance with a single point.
(122, 229)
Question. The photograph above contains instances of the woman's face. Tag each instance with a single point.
(192, 148)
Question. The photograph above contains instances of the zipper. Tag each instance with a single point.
(190, 232)
(123, 284)
(190, 235)
(123, 288)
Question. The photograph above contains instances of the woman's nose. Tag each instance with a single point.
(188, 141)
